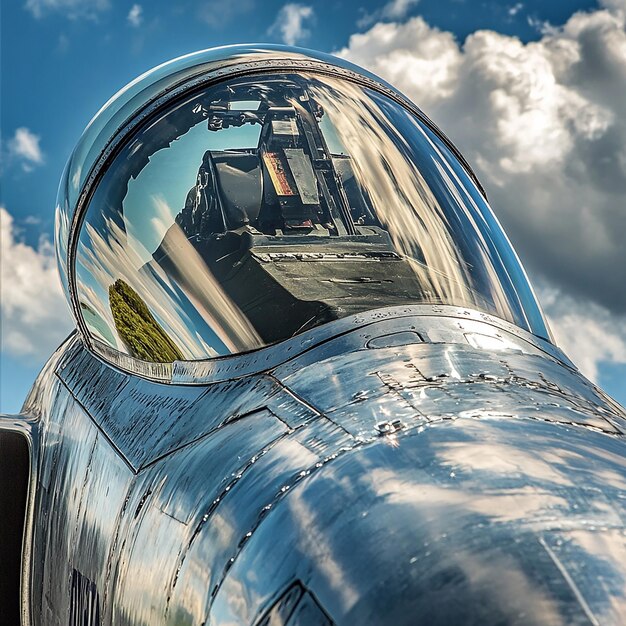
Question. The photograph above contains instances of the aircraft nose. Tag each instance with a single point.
(472, 521)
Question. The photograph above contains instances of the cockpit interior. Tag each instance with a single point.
(257, 208)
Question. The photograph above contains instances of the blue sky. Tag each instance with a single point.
(62, 59)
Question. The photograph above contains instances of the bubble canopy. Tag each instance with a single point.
(239, 213)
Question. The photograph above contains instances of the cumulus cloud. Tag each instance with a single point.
(135, 15)
(73, 9)
(290, 23)
(544, 125)
(397, 9)
(35, 316)
(615, 6)
(24, 147)
(587, 332)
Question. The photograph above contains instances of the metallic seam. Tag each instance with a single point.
(179, 372)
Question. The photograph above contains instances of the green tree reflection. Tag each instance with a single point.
(139, 331)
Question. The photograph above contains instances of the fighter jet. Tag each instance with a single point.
(310, 383)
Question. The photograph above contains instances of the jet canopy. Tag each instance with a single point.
(245, 211)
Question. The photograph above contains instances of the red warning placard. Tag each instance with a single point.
(276, 168)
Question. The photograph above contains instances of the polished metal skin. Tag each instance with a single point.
(416, 464)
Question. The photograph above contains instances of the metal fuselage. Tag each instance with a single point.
(409, 465)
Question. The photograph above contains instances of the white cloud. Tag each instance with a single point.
(615, 6)
(587, 332)
(290, 23)
(544, 125)
(35, 316)
(73, 9)
(397, 9)
(420, 60)
(24, 147)
(135, 15)
(393, 10)
(515, 9)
